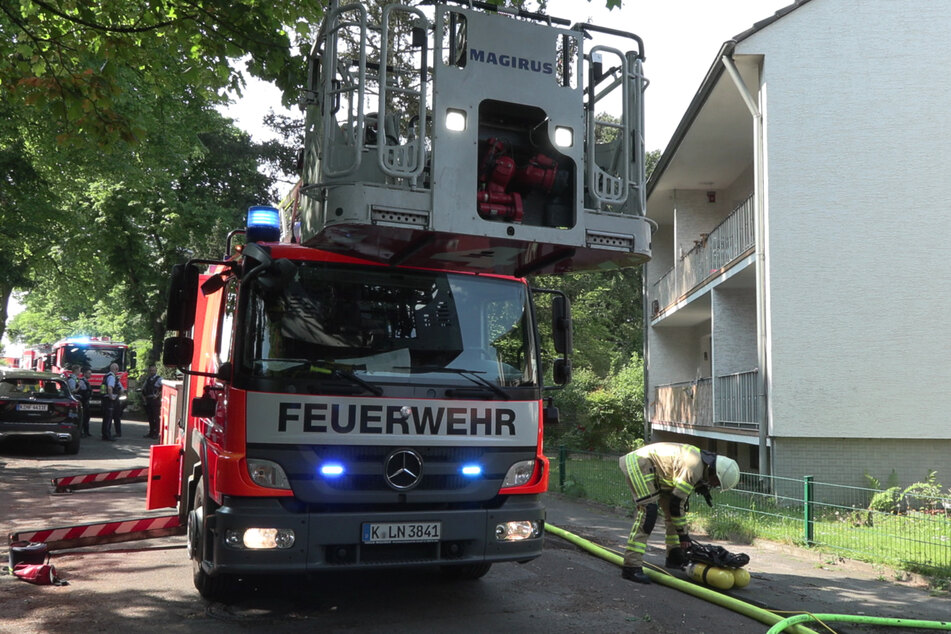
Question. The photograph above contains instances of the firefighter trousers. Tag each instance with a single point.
(648, 496)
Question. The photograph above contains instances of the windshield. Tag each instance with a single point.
(385, 325)
(97, 359)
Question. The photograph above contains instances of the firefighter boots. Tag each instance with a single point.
(635, 574)
(676, 558)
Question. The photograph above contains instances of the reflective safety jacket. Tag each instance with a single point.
(665, 467)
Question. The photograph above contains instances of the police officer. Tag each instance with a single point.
(111, 405)
(665, 474)
(84, 393)
(152, 394)
(72, 380)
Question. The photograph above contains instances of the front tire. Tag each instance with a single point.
(211, 587)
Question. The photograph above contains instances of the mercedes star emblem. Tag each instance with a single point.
(403, 469)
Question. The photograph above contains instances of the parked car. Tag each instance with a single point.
(39, 404)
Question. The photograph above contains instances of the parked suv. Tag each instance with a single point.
(39, 404)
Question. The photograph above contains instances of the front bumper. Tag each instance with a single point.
(333, 540)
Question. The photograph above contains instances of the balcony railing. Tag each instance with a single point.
(729, 401)
(735, 400)
(689, 403)
(730, 239)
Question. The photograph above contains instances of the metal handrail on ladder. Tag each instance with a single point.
(353, 90)
(402, 160)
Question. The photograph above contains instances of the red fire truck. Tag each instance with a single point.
(364, 381)
(97, 353)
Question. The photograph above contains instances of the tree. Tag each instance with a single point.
(124, 224)
(73, 58)
(27, 212)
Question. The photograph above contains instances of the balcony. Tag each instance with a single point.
(729, 401)
(713, 253)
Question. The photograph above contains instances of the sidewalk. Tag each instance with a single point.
(784, 577)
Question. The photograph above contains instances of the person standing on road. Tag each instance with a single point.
(84, 393)
(72, 382)
(152, 394)
(665, 474)
(111, 405)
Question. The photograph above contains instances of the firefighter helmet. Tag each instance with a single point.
(728, 472)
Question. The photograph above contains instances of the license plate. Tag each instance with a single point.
(31, 407)
(396, 532)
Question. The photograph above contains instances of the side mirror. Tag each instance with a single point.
(279, 275)
(550, 415)
(561, 371)
(561, 324)
(132, 358)
(182, 298)
(177, 352)
(224, 372)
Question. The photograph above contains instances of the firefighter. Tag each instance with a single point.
(664, 474)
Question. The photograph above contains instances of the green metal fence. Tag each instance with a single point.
(910, 530)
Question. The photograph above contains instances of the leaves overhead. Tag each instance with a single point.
(74, 59)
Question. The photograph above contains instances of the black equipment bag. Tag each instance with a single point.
(716, 556)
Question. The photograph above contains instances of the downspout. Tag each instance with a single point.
(759, 216)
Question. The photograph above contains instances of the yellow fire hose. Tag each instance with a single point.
(778, 623)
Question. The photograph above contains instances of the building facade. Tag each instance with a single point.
(798, 296)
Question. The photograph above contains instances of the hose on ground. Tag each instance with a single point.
(778, 623)
(855, 618)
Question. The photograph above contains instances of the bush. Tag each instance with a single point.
(887, 501)
(603, 414)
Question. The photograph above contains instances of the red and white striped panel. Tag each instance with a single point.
(105, 476)
(102, 532)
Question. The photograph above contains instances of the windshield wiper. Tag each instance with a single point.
(331, 369)
(473, 375)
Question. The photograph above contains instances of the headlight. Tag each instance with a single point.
(519, 473)
(517, 531)
(260, 538)
(268, 474)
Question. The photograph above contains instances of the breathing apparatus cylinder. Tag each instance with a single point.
(741, 577)
(720, 578)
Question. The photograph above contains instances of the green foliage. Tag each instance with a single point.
(887, 501)
(603, 407)
(734, 529)
(603, 413)
(895, 500)
(73, 60)
(924, 494)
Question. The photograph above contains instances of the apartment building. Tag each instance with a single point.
(799, 295)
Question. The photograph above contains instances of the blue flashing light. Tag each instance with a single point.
(81, 339)
(264, 224)
(332, 470)
(471, 470)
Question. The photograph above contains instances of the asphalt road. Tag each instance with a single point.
(146, 586)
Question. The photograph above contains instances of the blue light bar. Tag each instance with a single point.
(332, 470)
(264, 224)
(471, 470)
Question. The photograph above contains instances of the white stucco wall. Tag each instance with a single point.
(676, 354)
(734, 331)
(859, 218)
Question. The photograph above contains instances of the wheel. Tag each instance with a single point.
(466, 572)
(214, 588)
(72, 447)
